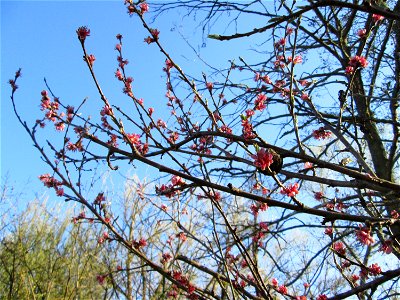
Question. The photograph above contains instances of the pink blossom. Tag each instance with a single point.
(289, 30)
(139, 244)
(60, 192)
(134, 138)
(263, 159)
(150, 110)
(49, 181)
(362, 32)
(247, 130)
(280, 43)
(274, 282)
(349, 70)
(355, 277)
(305, 97)
(358, 62)
(91, 58)
(209, 86)
(304, 82)
(328, 231)
(308, 165)
(291, 190)
(82, 33)
(118, 74)
(374, 269)
(177, 180)
(377, 18)
(297, 59)
(259, 102)
(339, 248)
(144, 7)
(250, 113)
(395, 214)
(283, 289)
(264, 225)
(322, 297)
(321, 134)
(318, 195)
(101, 279)
(181, 236)
(364, 235)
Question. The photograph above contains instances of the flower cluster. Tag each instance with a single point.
(291, 190)
(183, 280)
(321, 134)
(154, 36)
(247, 129)
(255, 209)
(364, 235)
(82, 33)
(339, 248)
(51, 182)
(139, 244)
(259, 103)
(355, 63)
(263, 159)
(134, 139)
(170, 190)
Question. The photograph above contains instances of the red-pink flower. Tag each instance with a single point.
(297, 59)
(101, 279)
(259, 102)
(274, 282)
(349, 70)
(322, 297)
(305, 97)
(140, 244)
(364, 235)
(358, 62)
(318, 195)
(304, 82)
(291, 190)
(283, 289)
(134, 138)
(374, 269)
(328, 231)
(280, 43)
(354, 277)
(181, 236)
(263, 159)
(91, 58)
(209, 86)
(247, 129)
(339, 248)
(144, 7)
(83, 32)
(177, 180)
(362, 32)
(321, 134)
(264, 226)
(118, 74)
(308, 165)
(377, 18)
(60, 192)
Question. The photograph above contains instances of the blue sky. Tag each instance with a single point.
(39, 37)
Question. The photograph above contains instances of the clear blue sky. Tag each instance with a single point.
(39, 37)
